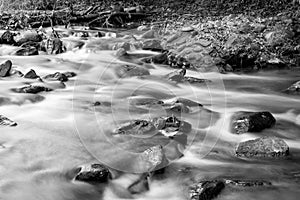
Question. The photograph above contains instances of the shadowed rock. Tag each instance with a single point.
(33, 89)
(247, 183)
(193, 80)
(263, 147)
(5, 68)
(28, 37)
(7, 38)
(94, 173)
(243, 122)
(27, 51)
(31, 75)
(206, 190)
(176, 76)
(4, 121)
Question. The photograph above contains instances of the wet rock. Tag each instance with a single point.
(31, 74)
(206, 190)
(263, 147)
(70, 74)
(131, 70)
(294, 89)
(187, 102)
(5, 68)
(7, 38)
(158, 59)
(171, 126)
(152, 44)
(32, 89)
(57, 46)
(28, 37)
(57, 76)
(94, 173)
(177, 76)
(153, 158)
(145, 102)
(178, 108)
(143, 28)
(17, 73)
(136, 127)
(148, 34)
(121, 52)
(70, 44)
(243, 122)
(141, 185)
(4, 121)
(125, 45)
(193, 80)
(247, 183)
(27, 51)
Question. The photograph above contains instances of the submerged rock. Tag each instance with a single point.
(131, 70)
(187, 102)
(4, 121)
(141, 185)
(243, 122)
(31, 74)
(193, 80)
(136, 127)
(247, 183)
(5, 68)
(263, 147)
(94, 173)
(153, 158)
(294, 89)
(206, 190)
(57, 76)
(32, 89)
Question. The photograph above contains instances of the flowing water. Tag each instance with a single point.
(60, 130)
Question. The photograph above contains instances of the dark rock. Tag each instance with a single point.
(97, 103)
(160, 58)
(5, 68)
(31, 75)
(187, 102)
(57, 76)
(27, 51)
(131, 70)
(7, 38)
(94, 173)
(141, 185)
(121, 52)
(243, 122)
(294, 89)
(136, 127)
(57, 46)
(206, 190)
(263, 147)
(4, 121)
(177, 76)
(70, 74)
(32, 89)
(247, 183)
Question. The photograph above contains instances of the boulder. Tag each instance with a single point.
(28, 37)
(5, 68)
(32, 89)
(4, 121)
(125, 45)
(187, 102)
(263, 147)
(206, 190)
(7, 38)
(193, 80)
(152, 44)
(70, 74)
(121, 52)
(243, 122)
(148, 34)
(294, 89)
(31, 75)
(153, 158)
(124, 71)
(57, 76)
(94, 173)
(141, 185)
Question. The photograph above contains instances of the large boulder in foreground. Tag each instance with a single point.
(294, 89)
(5, 68)
(263, 147)
(206, 190)
(243, 122)
(94, 173)
(4, 121)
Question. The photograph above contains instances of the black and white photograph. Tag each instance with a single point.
(149, 99)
